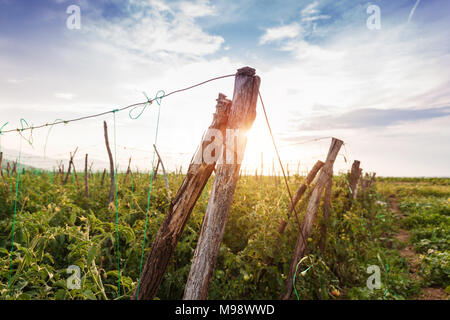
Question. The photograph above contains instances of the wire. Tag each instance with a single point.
(116, 110)
(278, 154)
(306, 141)
(282, 169)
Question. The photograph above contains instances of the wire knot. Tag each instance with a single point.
(159, 95)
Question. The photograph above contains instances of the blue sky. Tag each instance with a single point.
(324, 73)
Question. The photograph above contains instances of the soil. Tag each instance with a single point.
(412, 257)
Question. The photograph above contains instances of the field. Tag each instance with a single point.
(400, 225)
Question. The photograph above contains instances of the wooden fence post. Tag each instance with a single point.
(86, 177)
(242, 116)
(300, 247)
(155, 173)
(299, 194)
(75, 174)
(102, 182)
(1, 164)
(358, 183)
(70, 165)
(128, 171)
(164, 172)
(112, 187)
(353, 177)
(180, 209)
(326, 214)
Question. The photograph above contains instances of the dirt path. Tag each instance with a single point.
(412, 257)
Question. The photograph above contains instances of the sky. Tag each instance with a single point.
(328, 69)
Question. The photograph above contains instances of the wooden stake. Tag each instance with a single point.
(300, 247)
(326, 214)
(155, 174)
(112, 187)
(86, 177)
(103, 177)
(299, 194)
(180, 209)
(1, 164)
(164, 172)
(70, 165)
(128, 171)
(353, 177)
(242, 116)
(75, 174)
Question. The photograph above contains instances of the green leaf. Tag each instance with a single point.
(89, 294)
(91, 254)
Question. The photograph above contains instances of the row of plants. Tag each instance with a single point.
(56, 227)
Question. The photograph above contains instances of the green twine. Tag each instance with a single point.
(30, 139)
(1, 129)
(14, 216)
(159, 95)
(149, 196)
(302, 273)
(117, 202)
(48, 134)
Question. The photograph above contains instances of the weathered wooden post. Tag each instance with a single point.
(111, 165)
(102, 182)
(326, 214)
(242, 116)
(300, 191)
(372, 179)
(75, 174)
(155, 173)
(353, 178)
(128, 172)
(181, 207)
(300, 247)
(164, 172)
(70, 166)
(86, 177)
(1, 164)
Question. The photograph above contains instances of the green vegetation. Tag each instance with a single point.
(56, 227)
(426, 205)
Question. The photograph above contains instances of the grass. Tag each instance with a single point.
(426, 205)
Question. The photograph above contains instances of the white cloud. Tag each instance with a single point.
(200, 8)
(282, 32)
(364, 70)
(310, 9)
(315, 18)
(157, 29)
(311, 13)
